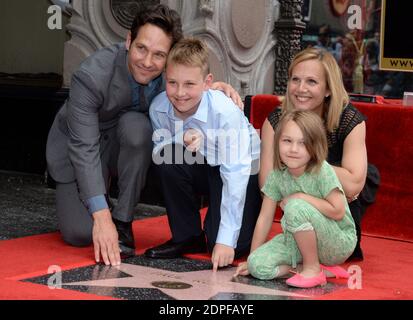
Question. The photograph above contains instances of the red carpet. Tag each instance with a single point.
(385, 271)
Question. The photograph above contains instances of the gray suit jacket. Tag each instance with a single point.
(100, 92)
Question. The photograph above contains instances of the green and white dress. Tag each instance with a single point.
(335, 239)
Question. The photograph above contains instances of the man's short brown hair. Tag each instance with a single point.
(161, 16)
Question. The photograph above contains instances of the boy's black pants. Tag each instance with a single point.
(182, 183)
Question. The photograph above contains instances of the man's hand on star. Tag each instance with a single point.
(105, 238)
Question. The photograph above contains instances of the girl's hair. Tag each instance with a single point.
(314, 135)
(335, 103)
(190, 52)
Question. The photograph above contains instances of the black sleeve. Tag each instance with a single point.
(350, 118)
(274, 117)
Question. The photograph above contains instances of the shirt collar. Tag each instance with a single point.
(201, 114)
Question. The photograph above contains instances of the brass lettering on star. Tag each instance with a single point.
(171, 285)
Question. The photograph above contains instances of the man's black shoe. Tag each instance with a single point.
(126, 240)
(171, 250)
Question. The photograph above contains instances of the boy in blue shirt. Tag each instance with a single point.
(204, 145)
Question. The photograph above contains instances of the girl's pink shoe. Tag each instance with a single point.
(335, 271)
(302, 282)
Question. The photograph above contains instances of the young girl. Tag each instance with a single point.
(315, 83)
(317, 223)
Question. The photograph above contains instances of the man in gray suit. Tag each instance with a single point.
(103, 130)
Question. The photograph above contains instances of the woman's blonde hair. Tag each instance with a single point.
(335, 103)
(314, 134)
(190, 52)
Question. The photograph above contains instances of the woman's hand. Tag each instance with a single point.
(351, 199)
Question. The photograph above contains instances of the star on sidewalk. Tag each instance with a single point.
(194, 285)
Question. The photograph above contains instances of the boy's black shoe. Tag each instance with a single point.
(171, 250)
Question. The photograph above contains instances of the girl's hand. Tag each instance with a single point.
(298, 195)
(242, 270)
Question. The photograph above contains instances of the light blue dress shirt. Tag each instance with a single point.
(230, 142)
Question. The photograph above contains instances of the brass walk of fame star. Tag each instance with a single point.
(194, 285)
